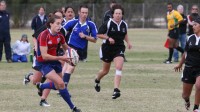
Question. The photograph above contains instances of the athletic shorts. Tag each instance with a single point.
(48, 66)
(174, 33)
(189, 74)
(107, 52)
(79, 51)
(35, 64)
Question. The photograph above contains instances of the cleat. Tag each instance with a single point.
(39, 89)
(75, 109)
(44, 103)
(187, 105)
(116, 93)
(26, 78)
(97, 85)
(167, 62)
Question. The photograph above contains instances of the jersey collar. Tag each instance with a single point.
(51, 32)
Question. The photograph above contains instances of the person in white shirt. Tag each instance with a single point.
(21, 48)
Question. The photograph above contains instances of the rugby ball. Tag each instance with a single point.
(73, 55)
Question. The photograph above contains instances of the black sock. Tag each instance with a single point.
(187, 100)
(43, 79)
(180, 49)
(97, 81)
(171, 50)
(196, 107)
(116, 90)
(42, 100)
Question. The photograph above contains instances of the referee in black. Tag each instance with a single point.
(113, 32)
(191, 72)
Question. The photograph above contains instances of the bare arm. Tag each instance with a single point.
(178, 68)
(128, 42)
(35, 44)
(189, 21)
(89, 38)
(47, 56)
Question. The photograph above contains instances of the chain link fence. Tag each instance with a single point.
(136, 15)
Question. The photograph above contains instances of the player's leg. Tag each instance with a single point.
(187, 89)
(118, 61)
(67, 71)
(188, 80)
(105, 69)
(197, 94)
(171, 50)
(44, 96)
(57, 84)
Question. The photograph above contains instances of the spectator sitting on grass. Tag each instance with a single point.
(20, 49)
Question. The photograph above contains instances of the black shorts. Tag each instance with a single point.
(190, 74)
(174, 33)
(79, 51)
(108, 53)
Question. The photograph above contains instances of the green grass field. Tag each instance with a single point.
(147, 85)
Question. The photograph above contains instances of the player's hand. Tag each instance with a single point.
(65, 58)
(178, 68)
(129, 45)
(82, 35)
(112, 41)
(172, 26)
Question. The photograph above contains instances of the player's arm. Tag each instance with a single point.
(189, 20)
(102, 32)
(48, 57)
(93, 32)
(179, 17)
(35, 43)
(178, 68)
(43, 49)
(128, 42)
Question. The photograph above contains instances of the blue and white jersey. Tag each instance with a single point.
(88, 28)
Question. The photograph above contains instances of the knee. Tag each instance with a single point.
(185, 96)
(61, 85)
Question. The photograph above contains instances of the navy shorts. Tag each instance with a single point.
(108, 53)
(36, 66)
(190, 74)
(174, 33)
(48, 66)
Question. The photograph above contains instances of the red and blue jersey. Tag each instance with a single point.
(47, 39)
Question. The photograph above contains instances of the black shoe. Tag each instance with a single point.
(75, 109)
(116, 93)
(26, 78)
(167, 62)
(44, 103)
(97, 85)
(39, 89)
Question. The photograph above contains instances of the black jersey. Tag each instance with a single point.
(193, 51)
(38, 31)
(114, 31)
